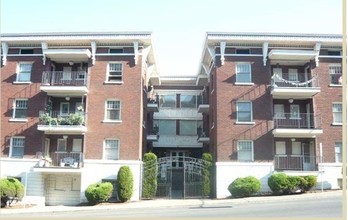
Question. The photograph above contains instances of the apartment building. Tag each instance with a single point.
(275, 105)
(69, 103)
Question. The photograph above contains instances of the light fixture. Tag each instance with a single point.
(65, 137)
(67, 98)
(71, 63)
(293, 139)
(291, 100)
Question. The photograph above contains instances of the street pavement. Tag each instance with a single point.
(173, 203)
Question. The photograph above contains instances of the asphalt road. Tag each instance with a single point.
(328, 207)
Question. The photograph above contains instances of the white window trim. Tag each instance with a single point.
(14, 111)
(299, 111)
(107, 74)
(66, 144)
(250, 74)
(339, 153)
(275, 112)
(252, 150)
(17, 73)
(118, 148)
(251, 113)
(11, 145)
(336, 123)
(335, 65)
(106, 120)
(60, 108)
(282, 142)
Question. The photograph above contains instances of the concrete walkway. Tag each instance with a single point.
(174, 203)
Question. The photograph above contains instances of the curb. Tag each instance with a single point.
(207, 203)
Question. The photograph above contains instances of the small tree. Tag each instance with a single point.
(11, 189)
(278, 183)
(208, 164)
(98, 192)
(124, 183)
(150, 175)
(243, 187)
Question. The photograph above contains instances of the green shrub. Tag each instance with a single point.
(99, 192)
(208, 164)
(278, 183)
(10, 189)
(308, 183)
(150, 175)
(243, 187)
(124, 183)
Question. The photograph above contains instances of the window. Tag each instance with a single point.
(64, 108)
(188, 127)
(17, 147)
(167, 127)
(24, 72)
(338, 152)
(242, 51)
(279, 111)
(294, 111)
(245, 151)
(296, 148)
(111, 149)
(335, 72)
(337, 113)
(244, 112)
(334, 53)
(61, 145)
(168, 101)
(115, 72)
(280, 148)
(113, 110)
(116, 50)
(188, 101)
(293, 75)
(20, 108)
(243, 71)
(26, 51)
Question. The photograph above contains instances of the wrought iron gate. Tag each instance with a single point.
(180, 177)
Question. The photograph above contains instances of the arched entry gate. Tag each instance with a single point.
(180, 177)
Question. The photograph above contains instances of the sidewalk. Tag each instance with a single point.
(173, 203)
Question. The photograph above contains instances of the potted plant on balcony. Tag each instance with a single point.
(45, 118)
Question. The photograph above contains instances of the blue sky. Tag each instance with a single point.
(178, 26)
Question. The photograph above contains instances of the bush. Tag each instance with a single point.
(99, 192)
(278, 182)
(150, 175)
(243, 187)
(10, 189)
(308, 183)
(208, 164)
(124, 183)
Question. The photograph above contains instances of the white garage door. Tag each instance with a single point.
(62, 189)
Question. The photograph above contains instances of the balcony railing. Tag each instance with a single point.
(278, 81)
(294, 162)
(63, 78)
(300, 120)
(59, 118)
(65, 159)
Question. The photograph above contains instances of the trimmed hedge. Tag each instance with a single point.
(99, 192)
(208, 164)
(125, 183)
(280, 183)
(150, 175)
(244, 187)
(10, 189)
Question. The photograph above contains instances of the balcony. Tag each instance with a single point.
(203, 108)
(285, 88)
(58, 123)
(152, 105)
(153, 135)
(60, 83)
(296, 57)
(302, 125)
(294, 162)
(67, 55)
(59, 162)
(202, 137)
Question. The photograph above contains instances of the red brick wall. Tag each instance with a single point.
(130, 95)
(323, 106)
(36, 102)
(226, 94)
